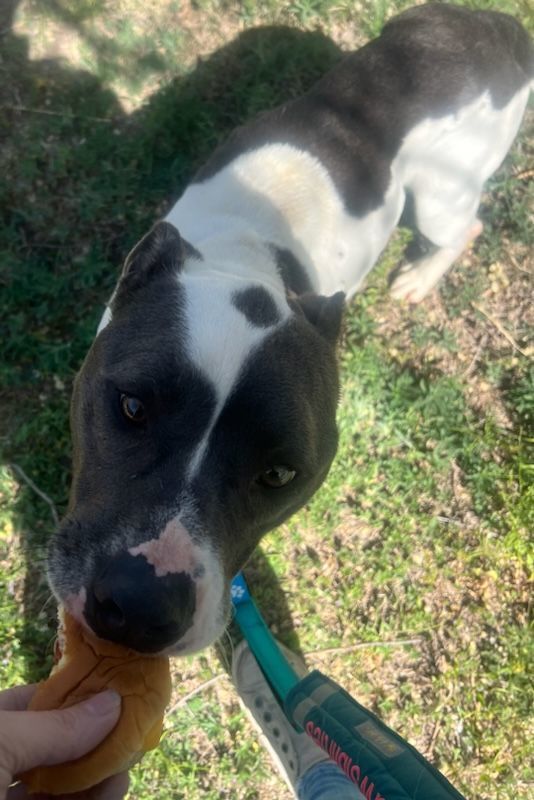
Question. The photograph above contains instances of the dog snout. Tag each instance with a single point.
(130, 604)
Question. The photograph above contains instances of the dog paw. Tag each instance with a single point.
(410, 285)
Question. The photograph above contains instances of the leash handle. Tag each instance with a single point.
(382, 764)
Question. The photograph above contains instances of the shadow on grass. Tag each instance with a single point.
(82, 181)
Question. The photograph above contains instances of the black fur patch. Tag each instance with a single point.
(291, 271)
(257, 305)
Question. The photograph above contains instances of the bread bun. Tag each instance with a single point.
(89, 665)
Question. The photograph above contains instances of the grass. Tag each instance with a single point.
(411, 564)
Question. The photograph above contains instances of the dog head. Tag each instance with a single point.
(202, 417)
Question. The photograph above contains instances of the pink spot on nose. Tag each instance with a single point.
(172, 551)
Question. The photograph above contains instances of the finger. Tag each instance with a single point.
(114, 788)
(19, 792)
(37, 738)
(17, 698)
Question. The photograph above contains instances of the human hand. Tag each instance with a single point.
(37, 738)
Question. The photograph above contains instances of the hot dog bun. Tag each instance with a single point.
(89, 665)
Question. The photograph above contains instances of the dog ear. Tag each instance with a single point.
(324, 313)
(161, 249)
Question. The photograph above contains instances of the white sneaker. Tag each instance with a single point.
(293, 753)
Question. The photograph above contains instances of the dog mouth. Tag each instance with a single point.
(201, 611)
(191, 642)
(60, 643)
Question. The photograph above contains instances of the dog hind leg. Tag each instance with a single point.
(416, 279)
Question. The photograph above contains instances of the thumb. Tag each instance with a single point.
(37, 738)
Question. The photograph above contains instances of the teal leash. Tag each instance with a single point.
(278, 672)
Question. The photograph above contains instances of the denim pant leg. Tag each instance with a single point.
(325, 781)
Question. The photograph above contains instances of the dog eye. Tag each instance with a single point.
(133, 409)
(277, 476)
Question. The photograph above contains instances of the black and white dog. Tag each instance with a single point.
(204, 414)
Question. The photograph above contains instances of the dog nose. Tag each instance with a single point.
(129, 604)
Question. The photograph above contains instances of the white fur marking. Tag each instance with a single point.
(105, 320)
(75, 604)
(446, 161)
(209, 618)
(219, 337)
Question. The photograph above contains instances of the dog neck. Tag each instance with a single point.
(236, 254)
(266, 201)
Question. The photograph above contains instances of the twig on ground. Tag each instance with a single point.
(49, 112)
(20, 472)
(502, 331)
(197, 690)
(524, 174)
(447, 520)
(429, 751)
(514, 262)
(362, 645)
(474, 361)
(456, 482)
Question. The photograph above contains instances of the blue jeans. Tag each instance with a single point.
(325, 781)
